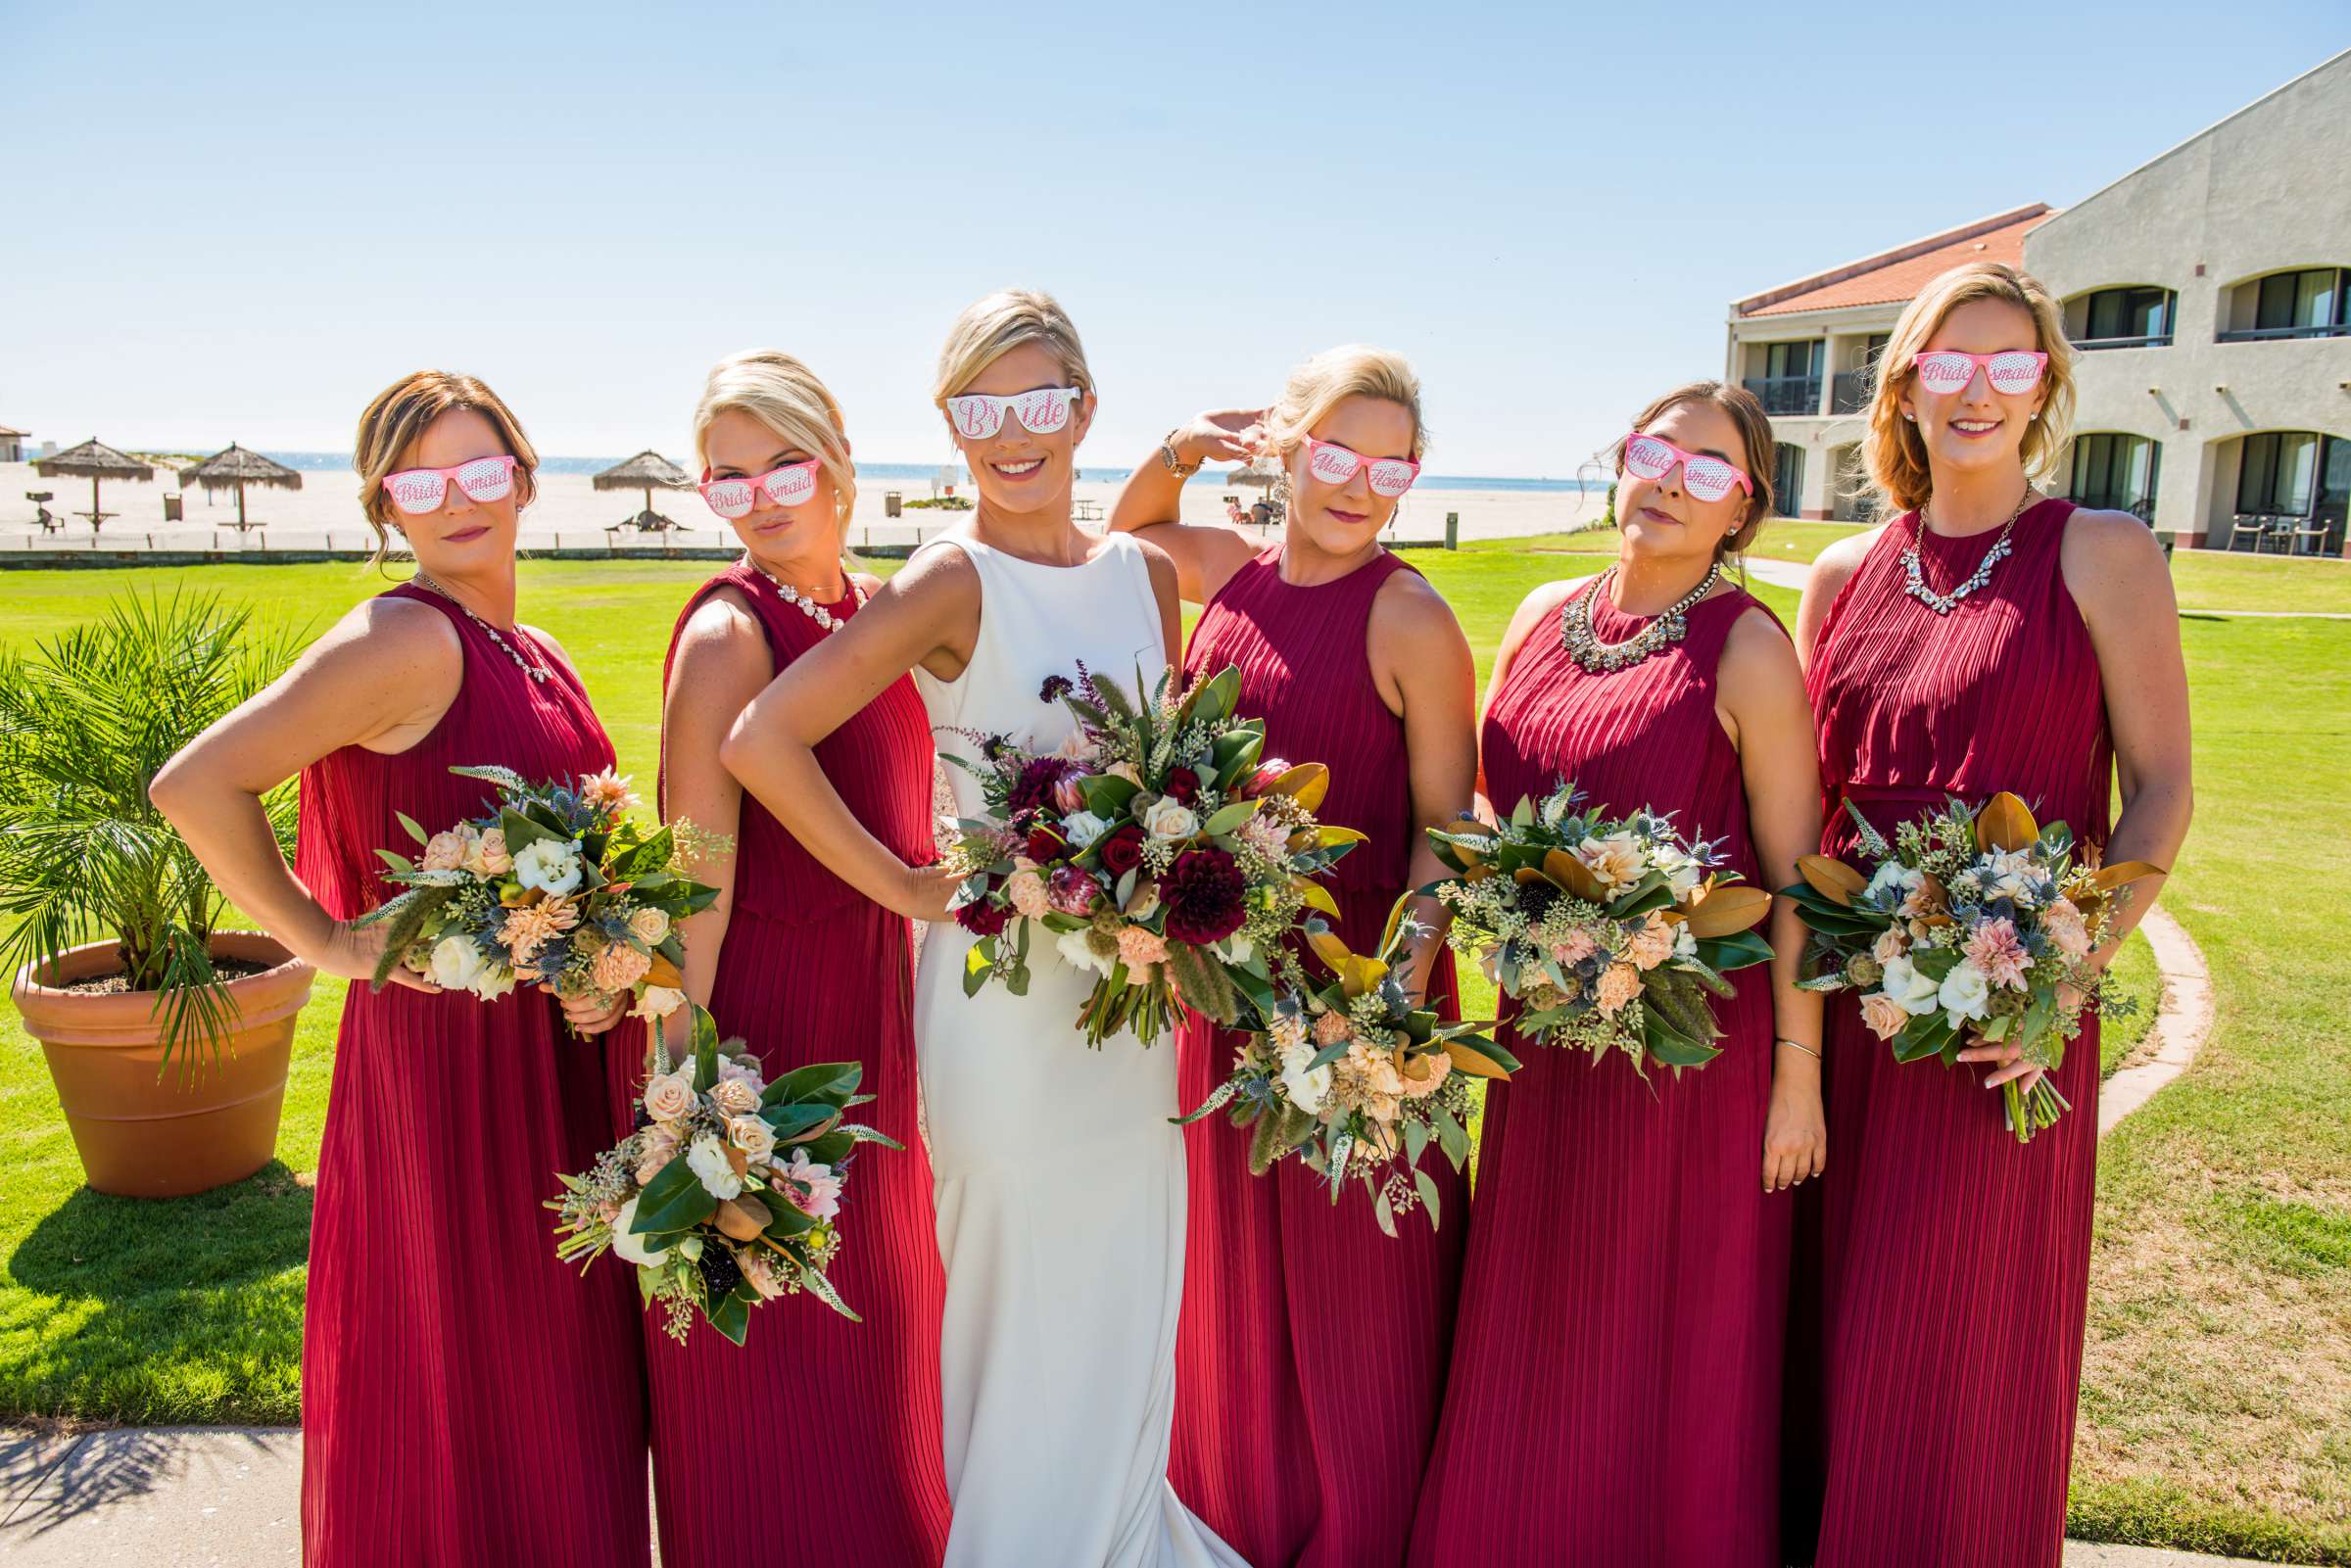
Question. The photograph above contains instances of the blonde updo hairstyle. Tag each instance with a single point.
(1323, 382)
(785, 395)
(1894, 454)
(1756, 440)
(989, 329)
(397, 418)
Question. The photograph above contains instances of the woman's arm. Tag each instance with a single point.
(1152, 503)
(1536, 609)
(723, 662)
(1760, 691)
(1831, 571)
(929, 614)
(381, 679)
(1425, 675)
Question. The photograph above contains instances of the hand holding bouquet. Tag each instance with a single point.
(1970, 924)
(558, 887)
(1610, 934)
(1354, 1078)
(728, 1192)
(1156, 848)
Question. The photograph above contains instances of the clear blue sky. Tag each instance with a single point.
(236, 221)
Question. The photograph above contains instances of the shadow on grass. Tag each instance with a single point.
(161, 1311)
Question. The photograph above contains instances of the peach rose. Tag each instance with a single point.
(1619, 983)
(734, 1097)
(670, 1096)
(486, 855)
(445, 852)
(660, 1146)
(754, 1137)
(1884, 1016)
(1891, 944)
(648, 925)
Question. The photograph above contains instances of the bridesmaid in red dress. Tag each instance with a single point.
(465, 1398)
(806, 968)
(1307, 1390)
(1986, 639)
(1615, 1384)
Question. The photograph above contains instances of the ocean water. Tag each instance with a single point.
(923, 473)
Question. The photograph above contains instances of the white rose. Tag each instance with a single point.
(493, 982)
(1963, 993)
(707, 1159)
(630, 1245)
(551, 865)
(1079, 956)
(657, 1002)
(458, 963)
(1306, 1087)
(1170, 819)
(1907, 988)
(1083, 829)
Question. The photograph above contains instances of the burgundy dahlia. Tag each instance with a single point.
(1183, 787)
(984, 919)
(1033, 789)
(1203, 892)
(1122, 850)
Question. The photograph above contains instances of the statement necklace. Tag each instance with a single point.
(537, 672)
(1666, 628)
(809, 607)
(1915, 579)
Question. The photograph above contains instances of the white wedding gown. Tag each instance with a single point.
(1060, 1183)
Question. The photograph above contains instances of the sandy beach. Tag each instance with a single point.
(570, 513)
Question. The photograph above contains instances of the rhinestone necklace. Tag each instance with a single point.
(809, 607)
(1669, 627)
(537, 672)
(1915, 579)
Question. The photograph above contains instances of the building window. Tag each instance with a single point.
(1787, 479)
(2311, 302)
(1851, 392)
(2114, 472)
(2135, 317)
(1791, 380)
(2293, 473)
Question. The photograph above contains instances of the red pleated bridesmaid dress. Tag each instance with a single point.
(465, 1398)
(1615, 1393)
(813, 971)
(1953, 1265)
(1310, 1353)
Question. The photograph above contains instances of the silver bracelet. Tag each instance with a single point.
(1801, 1046)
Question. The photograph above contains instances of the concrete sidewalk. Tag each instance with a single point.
(229, 1498)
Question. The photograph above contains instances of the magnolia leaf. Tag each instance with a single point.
(2005, 823)
(1329, 949)
(1830, 878)
(1360, 974)
(1732, 907)
(1470, 1060)
(664, 973)
(1316, 895)
(1227, 818)
(1574, 876)
(1308, 783)
(2109, 878)
(1388, 932)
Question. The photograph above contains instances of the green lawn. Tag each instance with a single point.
(2215, 580)
(2216, 1399)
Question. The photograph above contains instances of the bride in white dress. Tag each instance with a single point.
(1059, 1181)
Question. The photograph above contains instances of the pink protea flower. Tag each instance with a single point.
(1619, 983)
(1072, 891)
(607, 791)
(1995, 948)
(1068, 797)
(617, 967)
(1261, 781)
(1140, 946)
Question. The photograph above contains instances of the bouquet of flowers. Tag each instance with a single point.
(1157, 848)
(1354, 1078)
(1969, 923)
(558, 887)
(1610, 934)
(728, 1193)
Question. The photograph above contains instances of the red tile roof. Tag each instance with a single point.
(1893, 278)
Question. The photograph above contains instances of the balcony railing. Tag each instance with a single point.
(1787, 395)
(2325, 330)
(1849, 392)
(2156, 340)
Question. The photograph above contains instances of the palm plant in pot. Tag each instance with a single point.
(168, 1038)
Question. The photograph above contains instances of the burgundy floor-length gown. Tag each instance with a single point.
(466, 1399)
(813, 971)
(1614, 1395)
(1311, 1353)
(1932, 1419)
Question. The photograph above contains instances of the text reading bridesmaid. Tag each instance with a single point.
(465, 1398)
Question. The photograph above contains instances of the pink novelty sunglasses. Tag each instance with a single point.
(1948, 370)
(1704, 478)
(787, 485)
(1334, 464)
(978, 415)
(418, 490)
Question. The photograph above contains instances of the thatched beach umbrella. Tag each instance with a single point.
(1262, 478)
(647, 471)
(235, 469)
(93, 460)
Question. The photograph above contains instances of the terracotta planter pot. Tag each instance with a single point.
(147, 1130)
